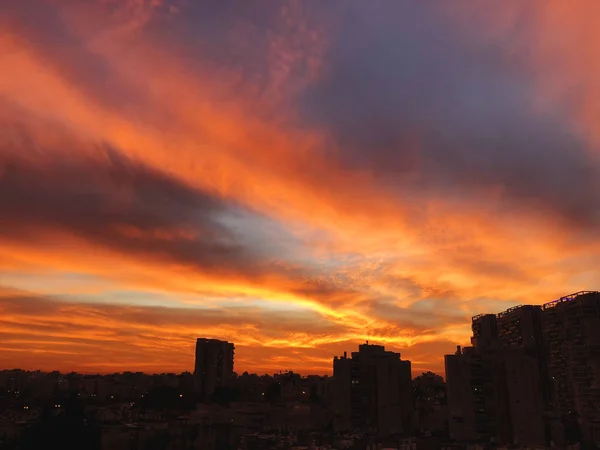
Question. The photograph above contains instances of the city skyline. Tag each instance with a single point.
(295, 177)
(528, 379)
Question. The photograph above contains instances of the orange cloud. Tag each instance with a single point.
(93, 337)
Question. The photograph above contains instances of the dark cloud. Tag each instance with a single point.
(236, 34)
(413, 320)
(99, 195)
(119, 203)
(431, 109)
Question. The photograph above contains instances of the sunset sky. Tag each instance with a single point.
(294, 177)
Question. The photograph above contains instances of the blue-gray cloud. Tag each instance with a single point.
(428, 107)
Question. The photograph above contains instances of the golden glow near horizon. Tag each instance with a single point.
(296, 178)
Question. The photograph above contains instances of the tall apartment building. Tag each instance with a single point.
(520, 328)
(485, 331)
(214, 365)
(474, 398)
(517, 328)
(571, 328)
(494, 395)
(560, 341)
(372, 391)
(496, 389)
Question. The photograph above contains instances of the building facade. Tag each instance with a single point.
(542, 362)
(571, 328)
(214, 366)
(372, 391)
(494, 396)
(497, 389)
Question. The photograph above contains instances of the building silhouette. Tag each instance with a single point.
(494, 394)
(571, 328)
(531, 376)
(372, 391)
(214, 366)
(485, 331)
